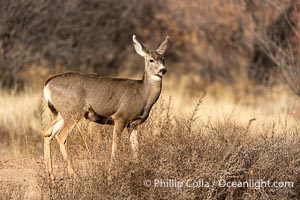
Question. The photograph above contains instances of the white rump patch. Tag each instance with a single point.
(47, 93)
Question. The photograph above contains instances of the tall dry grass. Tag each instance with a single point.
(182, 148)
(227, 139)
(19, 124)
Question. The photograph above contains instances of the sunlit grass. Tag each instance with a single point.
(219, 138)
(19, 124)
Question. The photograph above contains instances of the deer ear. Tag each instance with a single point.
(139, 48)
(163, 46)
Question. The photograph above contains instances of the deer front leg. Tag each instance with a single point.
(134, 142)
(118, 129)
(133, 123)
(133, 134)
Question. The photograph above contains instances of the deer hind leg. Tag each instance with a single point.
(56, 123)
(48, 136)
(61, 139)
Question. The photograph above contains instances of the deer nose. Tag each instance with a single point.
(163, 70)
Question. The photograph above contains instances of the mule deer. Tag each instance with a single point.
(120, 102)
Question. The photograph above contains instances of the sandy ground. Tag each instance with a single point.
(29, 173)
(20, 173)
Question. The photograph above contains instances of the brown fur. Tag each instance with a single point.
(116, 101)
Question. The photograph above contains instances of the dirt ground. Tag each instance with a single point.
(23, 178)
(21, 173)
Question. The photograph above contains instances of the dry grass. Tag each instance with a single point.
(19, 124)
(188, 148)
(215, 140)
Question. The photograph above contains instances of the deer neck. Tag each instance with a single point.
(152, 88)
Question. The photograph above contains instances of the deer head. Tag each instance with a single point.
(154, 60)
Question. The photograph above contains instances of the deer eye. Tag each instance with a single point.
(151, 60)
(163, 60)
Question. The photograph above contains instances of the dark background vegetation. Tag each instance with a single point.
(221, 40)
